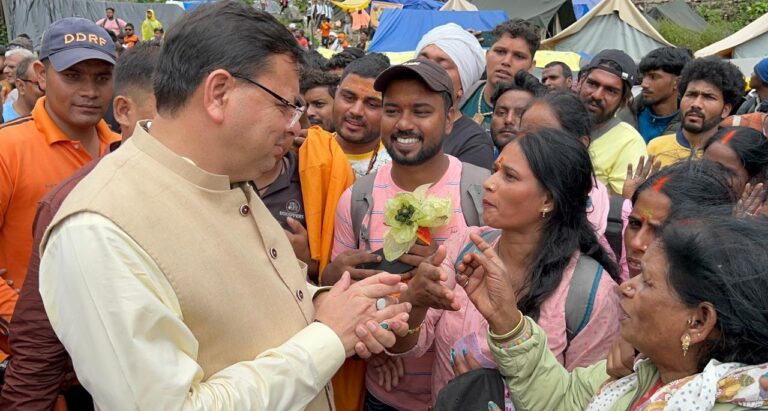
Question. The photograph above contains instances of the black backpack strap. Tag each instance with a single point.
(361, 204)
(614, 228)
(581, 295)
(471, 186)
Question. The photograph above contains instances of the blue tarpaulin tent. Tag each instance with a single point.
(191, 5)
(401, 30)
(419, 4)
(582, 7)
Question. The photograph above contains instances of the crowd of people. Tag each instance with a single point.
(124, 35)
(232, 221)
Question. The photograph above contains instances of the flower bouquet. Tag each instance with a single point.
(409, 217)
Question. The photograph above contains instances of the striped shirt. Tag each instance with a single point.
(414, 390)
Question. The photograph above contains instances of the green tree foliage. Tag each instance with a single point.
(3, 33)
(724, 19)
(750, 11)
(682, 37)
(302, 5)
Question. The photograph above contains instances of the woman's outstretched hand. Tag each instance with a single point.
(484, 277)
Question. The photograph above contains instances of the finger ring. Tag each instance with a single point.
(465, 283)
(381, 304)
(384, 325)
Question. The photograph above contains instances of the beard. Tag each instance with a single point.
(426, 153)
(706, 124)
(602, 116)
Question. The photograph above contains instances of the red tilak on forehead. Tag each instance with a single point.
(728, 137)
(659, 184)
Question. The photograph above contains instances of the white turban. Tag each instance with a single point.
(462, 47)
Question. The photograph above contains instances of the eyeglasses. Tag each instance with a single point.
(298, 111)
(30, 82)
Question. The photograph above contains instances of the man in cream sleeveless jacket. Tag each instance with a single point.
(164, 275)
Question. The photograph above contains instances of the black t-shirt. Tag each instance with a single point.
(469, 143)
(283, 197)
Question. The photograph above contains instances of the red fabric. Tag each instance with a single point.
(647, 395)
(40, 367)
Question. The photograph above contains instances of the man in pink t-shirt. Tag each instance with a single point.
(417, 105)
(111, 22)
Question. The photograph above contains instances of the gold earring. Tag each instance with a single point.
(543, 213)
(686, 344)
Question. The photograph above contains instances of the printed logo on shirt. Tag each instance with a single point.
(293, 210)
(293, 206)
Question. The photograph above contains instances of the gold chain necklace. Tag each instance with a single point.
(479, 116)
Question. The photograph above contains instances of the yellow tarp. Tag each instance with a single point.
(327, 53)
(571, 59)
(352, 5)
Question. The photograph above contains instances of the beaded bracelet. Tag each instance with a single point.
(515, 342)
(510, 334)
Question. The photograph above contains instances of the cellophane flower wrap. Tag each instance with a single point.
(407, 213)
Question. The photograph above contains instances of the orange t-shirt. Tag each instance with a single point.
(35, 156)
(325, 29)
(131, 40)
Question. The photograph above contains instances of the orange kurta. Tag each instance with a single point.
(325, 173)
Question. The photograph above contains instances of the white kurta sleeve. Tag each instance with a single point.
(121, 322)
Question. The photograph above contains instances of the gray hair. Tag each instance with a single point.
(24, 53)
(23, 66)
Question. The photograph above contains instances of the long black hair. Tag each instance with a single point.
(723, 261)
(570, 111)
(692, 184)
(562, 166)
(750, 146)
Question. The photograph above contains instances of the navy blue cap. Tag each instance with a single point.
(72, 40)
(761, 69)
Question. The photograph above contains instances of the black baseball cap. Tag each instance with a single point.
(436, 78)
(627, 69)
(73, 39)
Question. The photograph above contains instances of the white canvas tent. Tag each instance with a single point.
(458, 5)
(749, 42)
(612, 24)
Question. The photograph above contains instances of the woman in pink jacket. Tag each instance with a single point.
(535, 205)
